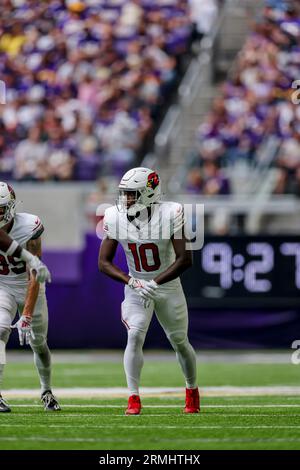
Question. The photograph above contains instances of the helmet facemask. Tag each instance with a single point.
(129, 201)
(8, 214)
(7, 204)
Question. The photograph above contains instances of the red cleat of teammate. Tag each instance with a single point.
(192, 400)
(134, 405)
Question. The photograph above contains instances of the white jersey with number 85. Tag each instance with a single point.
(13, 273)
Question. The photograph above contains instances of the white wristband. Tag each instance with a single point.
(12, 248)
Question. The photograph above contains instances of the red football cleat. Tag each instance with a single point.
(192, 400)
(134, 405)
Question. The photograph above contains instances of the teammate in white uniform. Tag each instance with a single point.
(21, 292)
(11, 247)
(151, 234)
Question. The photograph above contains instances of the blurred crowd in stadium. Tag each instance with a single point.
(255, 104)
(87, 79)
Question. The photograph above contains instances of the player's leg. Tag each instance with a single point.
(172, 313)
(41, 352)
(137, 319)
(8, 310)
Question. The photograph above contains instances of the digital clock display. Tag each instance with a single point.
(245, 271)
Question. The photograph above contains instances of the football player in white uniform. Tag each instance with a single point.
(20, 291)
(152, 236)
(11, 247)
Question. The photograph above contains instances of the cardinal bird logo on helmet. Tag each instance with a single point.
(153, 180)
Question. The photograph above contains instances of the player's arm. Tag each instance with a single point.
(8, 245)
(34, 246)
(23, 325)
(105, 262)
(183, 261)
(11, 248)
(107, 253)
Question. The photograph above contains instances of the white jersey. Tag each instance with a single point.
(148, 246)
(13, 274)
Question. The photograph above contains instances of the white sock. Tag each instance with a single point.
(187, 359)
(42, 360)
(1, 375)
(134, 360)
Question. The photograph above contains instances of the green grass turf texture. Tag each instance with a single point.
(219, 425)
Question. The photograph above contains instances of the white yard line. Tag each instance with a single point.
(103, 406)
(148, 426)
(94, 392)
(61, 417)
(113, 439)
(121, 408)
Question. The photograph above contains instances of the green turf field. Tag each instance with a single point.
(231, 422)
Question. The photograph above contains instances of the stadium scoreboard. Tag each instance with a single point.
(244, 271)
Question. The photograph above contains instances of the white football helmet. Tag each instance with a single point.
(7, 204)
(144, 187)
